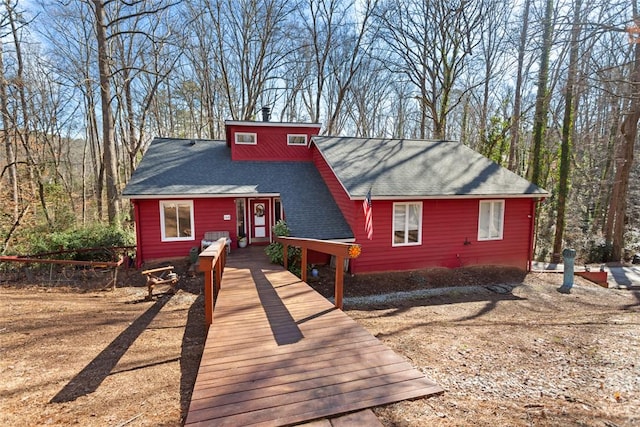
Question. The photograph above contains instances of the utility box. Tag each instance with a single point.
(193, 254)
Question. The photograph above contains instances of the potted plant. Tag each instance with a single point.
(242, 241)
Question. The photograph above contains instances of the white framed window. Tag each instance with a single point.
(491, 220)
(176, 220)
(407, 224)
(296, 139)
(246, 138)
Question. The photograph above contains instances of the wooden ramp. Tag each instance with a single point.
(279, 353)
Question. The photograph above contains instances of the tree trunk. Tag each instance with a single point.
(517, 100)
(109, 146)
(567, 132)
(6, 138)
(542, 99)
(614, 232)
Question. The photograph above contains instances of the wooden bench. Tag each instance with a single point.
(160, 276)
(211, 237)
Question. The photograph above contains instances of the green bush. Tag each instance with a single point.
(598, 250)
(274, 250)
(76, 240)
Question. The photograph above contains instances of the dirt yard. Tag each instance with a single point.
(522, 354)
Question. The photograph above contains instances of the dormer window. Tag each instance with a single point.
(297, 139)
(246, 138)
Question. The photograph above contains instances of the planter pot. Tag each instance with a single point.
(242, 243)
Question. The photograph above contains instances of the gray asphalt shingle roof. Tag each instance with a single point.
(397, 168)
(177, 167)
(392, 168)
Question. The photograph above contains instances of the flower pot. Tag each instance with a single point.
(242, 243)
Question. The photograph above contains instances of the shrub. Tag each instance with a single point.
(598, 250)
(274, 250)
(77, 240)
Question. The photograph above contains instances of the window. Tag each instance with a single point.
(296, 139)
(240, 217)
(176, 220)
(491, 220)
(246, 138)
(277, 211)
(407, 223)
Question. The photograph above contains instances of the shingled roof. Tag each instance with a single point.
(203, 168)
(404, 168)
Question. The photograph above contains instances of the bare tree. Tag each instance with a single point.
(250, 49)
(110, 159)
(542, 96)
(492, 46)
(108, 29)
(628, 133)
(332, 44)
(568, 123)
(429, 42)
(517, 97)
(7, 126)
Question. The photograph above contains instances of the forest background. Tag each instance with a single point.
(548, 88)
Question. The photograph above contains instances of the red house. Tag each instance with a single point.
(434, 203)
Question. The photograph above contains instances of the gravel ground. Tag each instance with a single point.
(531, 356)
(508, 349)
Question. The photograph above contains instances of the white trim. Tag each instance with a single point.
(253, 134)
(163, 237)
(272, 124)
(491, 204)
(295, 135)
(196, 196)
(450, 197)
(269, 230)
(355, 199)
(406, 225)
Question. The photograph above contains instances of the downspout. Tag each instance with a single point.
(138, 225)
(532, 227)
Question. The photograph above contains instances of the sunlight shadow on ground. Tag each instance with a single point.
(195, 333)
(284, 327)
(89, 379)
(444, 296)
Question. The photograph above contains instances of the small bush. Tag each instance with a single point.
(77, 240)
(598, 250)
(274, 250)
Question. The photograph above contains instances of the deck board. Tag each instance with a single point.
(279, 353)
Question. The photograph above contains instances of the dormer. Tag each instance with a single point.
(270, 141)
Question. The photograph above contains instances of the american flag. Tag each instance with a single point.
(368, 218)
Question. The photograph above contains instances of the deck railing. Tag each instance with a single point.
(340, 250)
(212, 261)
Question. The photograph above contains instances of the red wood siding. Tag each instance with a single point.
(346, 205)
(446, 224)
(272, 143)
(208, 216)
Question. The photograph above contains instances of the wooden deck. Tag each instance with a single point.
(278, 353)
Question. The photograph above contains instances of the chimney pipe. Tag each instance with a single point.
(266, 114)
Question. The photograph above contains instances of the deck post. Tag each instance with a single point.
(340, 250)
(339, 280)
(303, 265)
(285, 256)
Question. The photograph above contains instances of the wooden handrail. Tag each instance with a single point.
(338, 249)
(212, 261)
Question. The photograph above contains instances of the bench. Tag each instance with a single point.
(210, 237)
(160, 276)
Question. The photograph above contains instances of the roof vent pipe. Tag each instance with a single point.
(266, 114)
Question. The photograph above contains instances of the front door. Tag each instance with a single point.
(260, 223)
